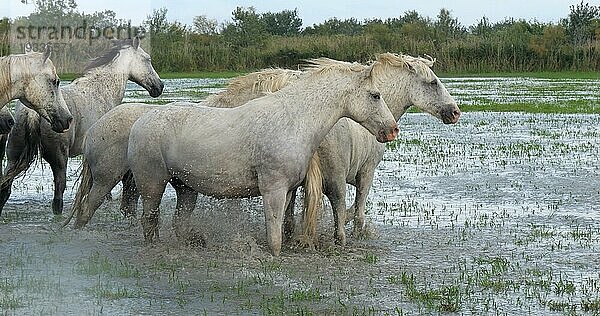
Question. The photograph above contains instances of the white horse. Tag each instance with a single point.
(349, 154)
(31, 78)
(101, 88)
(105, 148)
(271, 140)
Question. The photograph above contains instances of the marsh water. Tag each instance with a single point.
(496, 214)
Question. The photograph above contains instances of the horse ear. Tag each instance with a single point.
(136, 42)
(47, 52)
(28, 49)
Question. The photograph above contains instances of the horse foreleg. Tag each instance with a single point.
(274, 206)
(336, 193)
(58, 164)
(151, 193)
(130, 195)
(350, 212)
(186, 202)
(289, 222)
(363, 184)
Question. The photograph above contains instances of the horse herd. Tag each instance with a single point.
(266, 134)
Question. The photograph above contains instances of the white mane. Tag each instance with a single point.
(324, 65)
(253, 85)
(422, 66)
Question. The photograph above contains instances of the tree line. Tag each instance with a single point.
(253, 40)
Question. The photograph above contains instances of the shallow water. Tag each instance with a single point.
(496, 214)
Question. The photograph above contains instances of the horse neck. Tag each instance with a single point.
(312, 114)
(108, 84)
(394, 85)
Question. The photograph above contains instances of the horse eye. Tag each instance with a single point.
(375, 95)
(434, 82)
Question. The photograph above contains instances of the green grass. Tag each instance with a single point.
(201, 74)
(542, 74)
(567, 107)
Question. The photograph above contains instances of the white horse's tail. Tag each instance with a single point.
(85, 185)
(313, 198)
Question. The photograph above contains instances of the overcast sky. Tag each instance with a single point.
(316, 11)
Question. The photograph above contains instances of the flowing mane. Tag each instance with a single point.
(253, 85)
(421, 65)
(108, 55)
(267, 80)
(324, 65)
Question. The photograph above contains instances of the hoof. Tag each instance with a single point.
(57, 206)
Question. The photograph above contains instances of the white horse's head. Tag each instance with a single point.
(130, 59)
(410, 80)
(35, 84)
(362, 100)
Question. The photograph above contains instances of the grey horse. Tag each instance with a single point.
(101, 88)
(271, 140)
(349, 154)
(31, 78)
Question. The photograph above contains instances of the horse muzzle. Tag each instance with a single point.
(61, 125)
(388, 135)
(450, 115)
(156, 91)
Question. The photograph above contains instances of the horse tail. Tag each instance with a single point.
(313, 197)
(85, 185)
(31, 141)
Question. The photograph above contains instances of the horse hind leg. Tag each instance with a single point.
(186, 202)
(363, 185)
(288, 222)
(130, 195)
(91, 202)
(336, 193)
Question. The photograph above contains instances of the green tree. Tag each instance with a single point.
(284, 23)
(580, 22)
(204, 25)
(334, 26)
(447, 27)
(483, 27)
(157, 22)
(247, 28)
